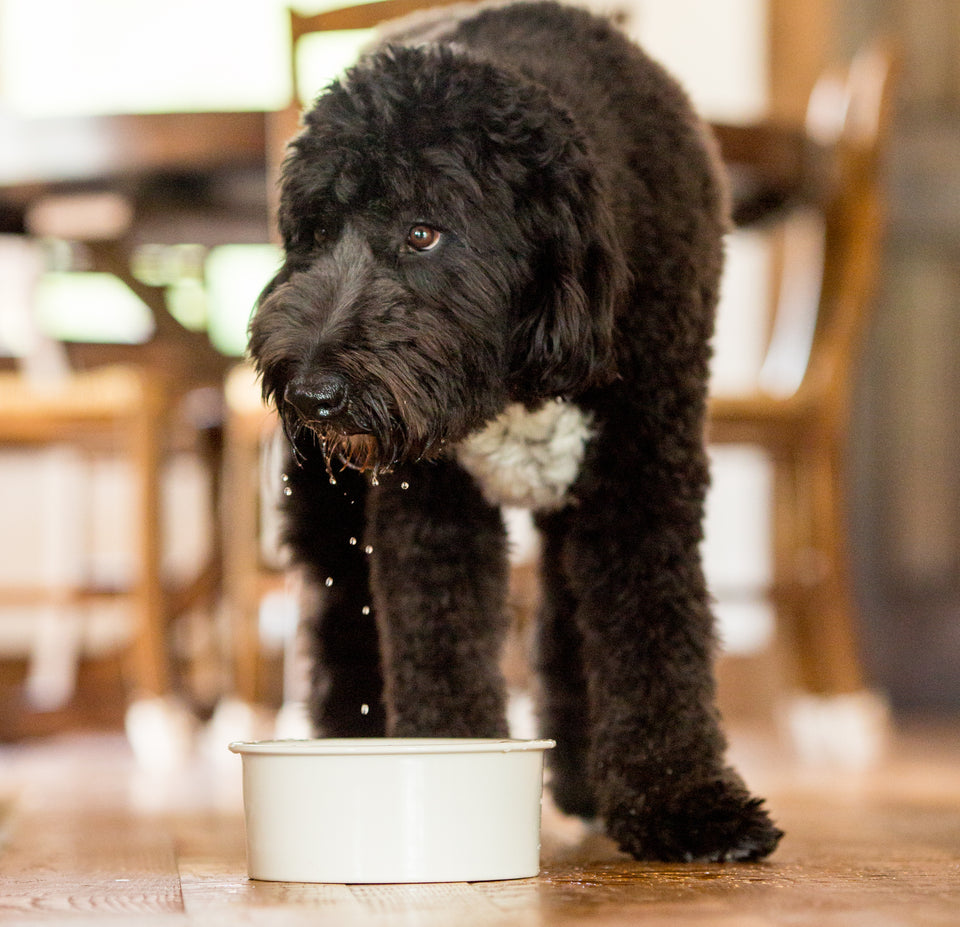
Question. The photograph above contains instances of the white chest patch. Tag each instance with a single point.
(528, 459)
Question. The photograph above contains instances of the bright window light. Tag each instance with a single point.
(716, 48)
(78, 57)
(91, 307)
(322, 56)
(235, 276)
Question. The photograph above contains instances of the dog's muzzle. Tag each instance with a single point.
(318, 410)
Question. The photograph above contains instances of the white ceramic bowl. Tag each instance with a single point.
(392, 809)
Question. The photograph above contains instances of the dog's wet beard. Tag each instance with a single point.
(355, 452)
(364, 452)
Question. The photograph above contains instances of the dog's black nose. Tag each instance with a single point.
(319, 399)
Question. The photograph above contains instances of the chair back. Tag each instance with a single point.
(832, 244)
(357, 16)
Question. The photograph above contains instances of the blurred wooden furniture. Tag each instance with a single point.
(194, 177)
(249, 574)
(112, 409)
(177, 176)
(831, 225)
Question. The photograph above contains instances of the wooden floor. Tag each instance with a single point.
(86, 837)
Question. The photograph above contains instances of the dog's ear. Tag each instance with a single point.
(563, 342)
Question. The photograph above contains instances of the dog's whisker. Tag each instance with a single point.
(328, 463)
(292, 429)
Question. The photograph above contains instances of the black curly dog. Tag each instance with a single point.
(503, 236)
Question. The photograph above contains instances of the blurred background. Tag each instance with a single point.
(138, 151)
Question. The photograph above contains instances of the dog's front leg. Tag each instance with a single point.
(324, 528)
(439, 576)
(657, 753)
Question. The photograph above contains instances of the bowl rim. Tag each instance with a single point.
(387, 746)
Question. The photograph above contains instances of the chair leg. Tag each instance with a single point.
(831, 719)
(787, 588)
(815, 601)
(829, 622)
(240, 495)
(149, 664)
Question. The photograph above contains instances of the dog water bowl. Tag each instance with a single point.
(392, 810)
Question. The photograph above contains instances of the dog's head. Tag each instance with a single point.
(447, 251)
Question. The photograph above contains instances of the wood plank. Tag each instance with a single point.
(88, 863)
(359, 16)
(214, 883)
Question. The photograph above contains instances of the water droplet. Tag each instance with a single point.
(365, 610)
(368, 549)
(285, 477)
(404, 485)
(374, 481)
(353, 542)
(333, 480)
(288, 490)
(364, 709)
(329, 581)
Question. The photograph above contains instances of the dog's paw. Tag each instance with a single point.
(716, 822)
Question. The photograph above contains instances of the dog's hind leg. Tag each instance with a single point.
(325, 530)
(563, 706)
(439, 577)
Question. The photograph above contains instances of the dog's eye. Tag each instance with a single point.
(423, 238)
(322, 236)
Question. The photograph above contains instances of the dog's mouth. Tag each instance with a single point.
(347, 446)
(361, 434)
(357, 450)
(353, 452)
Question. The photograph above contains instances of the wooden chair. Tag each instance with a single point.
(117, 402)
(113, 409)
(831, 228)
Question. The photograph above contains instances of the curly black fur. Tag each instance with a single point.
(521, 210)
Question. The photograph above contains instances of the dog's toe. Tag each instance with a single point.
(716, 822)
